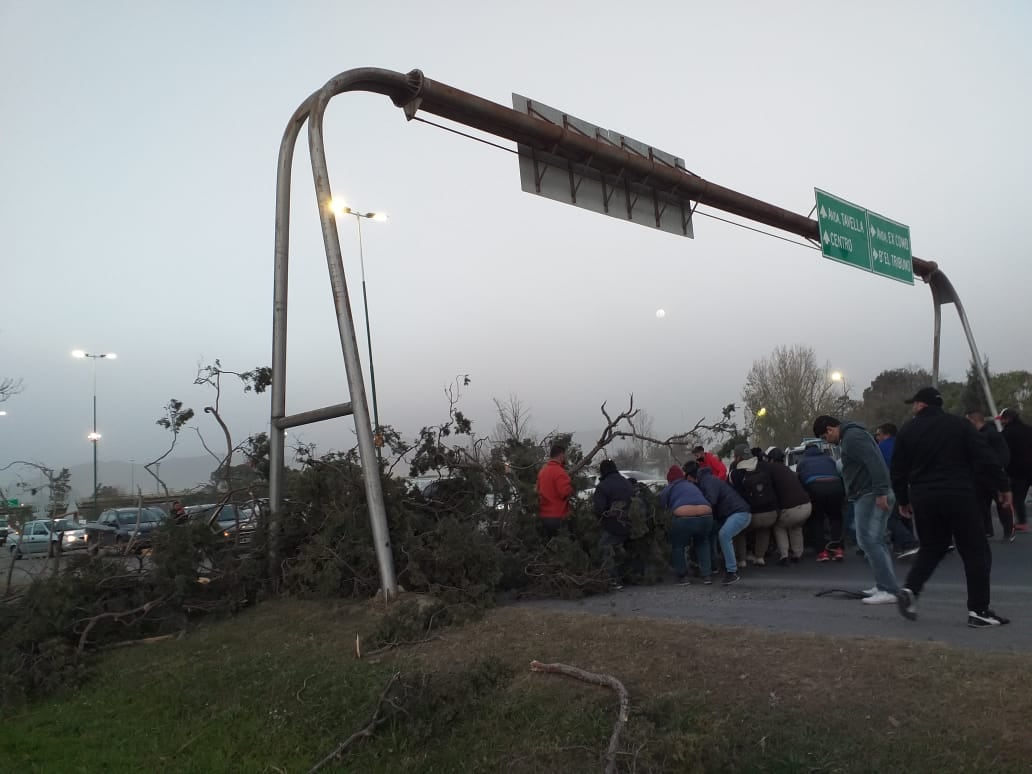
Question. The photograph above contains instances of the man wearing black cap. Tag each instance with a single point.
(937, 459)
(1018, 436)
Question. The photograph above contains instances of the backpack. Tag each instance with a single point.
(757, 487)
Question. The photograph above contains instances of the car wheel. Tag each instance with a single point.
(16, 553)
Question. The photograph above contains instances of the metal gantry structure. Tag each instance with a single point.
(413, 93)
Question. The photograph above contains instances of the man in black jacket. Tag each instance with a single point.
(611, 503)
(1018, 436)
(984, 492)
(937, 459)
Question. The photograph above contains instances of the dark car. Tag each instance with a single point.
(117, 526)
(3, 530)
(229, 521)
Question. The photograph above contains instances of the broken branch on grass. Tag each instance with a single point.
(144, 641)
(376, 720)
(392, 645)
(607, 681)
(142, 610)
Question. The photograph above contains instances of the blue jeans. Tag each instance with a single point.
(691, 529)
(871, 522)
(734, 524)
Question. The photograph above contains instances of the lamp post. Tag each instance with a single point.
(837, 376)
(341, 208)
(94, 437)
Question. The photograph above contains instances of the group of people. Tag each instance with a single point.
(931, 486)
(943, 475)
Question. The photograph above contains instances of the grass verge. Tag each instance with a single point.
(278, 687)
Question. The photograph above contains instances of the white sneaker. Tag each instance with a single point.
(880, 598)
(870, 592)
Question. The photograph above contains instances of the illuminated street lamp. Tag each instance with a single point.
(762, 412)
(837, 376)
(341, 208)
(94, 437)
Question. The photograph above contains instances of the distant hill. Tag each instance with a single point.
(177, 473)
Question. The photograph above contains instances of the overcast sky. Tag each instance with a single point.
(138, 176)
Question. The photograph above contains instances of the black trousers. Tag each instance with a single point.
(829, 501)
(985, 503)
(1019, 486)
(952, 517)
(902, 531)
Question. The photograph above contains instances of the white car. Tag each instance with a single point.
(44, 535)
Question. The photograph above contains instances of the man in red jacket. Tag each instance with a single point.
(710, 460)
(554, 490)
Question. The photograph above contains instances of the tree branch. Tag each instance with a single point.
(376, 720)
(607, 681)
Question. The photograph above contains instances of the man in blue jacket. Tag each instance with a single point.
(869, 489)
(691, 522)
(730, 513)
(819, 475)
(901, 529)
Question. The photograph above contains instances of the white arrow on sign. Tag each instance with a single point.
(824, 212)
(873, 231)
(827, 241)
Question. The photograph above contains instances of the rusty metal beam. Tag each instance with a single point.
(501, 121)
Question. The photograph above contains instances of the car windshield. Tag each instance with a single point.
(63, 525)
(129, 517)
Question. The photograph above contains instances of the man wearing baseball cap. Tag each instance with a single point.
(937, 459)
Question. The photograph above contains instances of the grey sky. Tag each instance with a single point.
(138, 169)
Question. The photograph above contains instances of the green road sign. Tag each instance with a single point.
(865, 239)
(13, 503)
(843, 229)
(890, 248)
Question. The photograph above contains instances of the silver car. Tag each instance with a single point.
(43, 536)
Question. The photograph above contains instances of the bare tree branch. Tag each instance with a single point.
(608, 433)
(367, 730)
(607, 681)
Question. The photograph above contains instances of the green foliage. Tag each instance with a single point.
(793, 388)
(883, 399)
(175, 416)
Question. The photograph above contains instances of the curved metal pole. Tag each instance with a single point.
(401, 89)
(936, 340)
(279, 327)
(349, 343)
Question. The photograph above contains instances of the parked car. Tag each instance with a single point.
(648, 479)
(43, 536)
(795, 453)
(228, 519)
(116, 526)
(3, 530)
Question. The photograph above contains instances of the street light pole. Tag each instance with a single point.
(837, 376)
(94, 437)
(343, 209)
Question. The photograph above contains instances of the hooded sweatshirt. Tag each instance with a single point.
(863, 466)
(816, 465)
(724, 500)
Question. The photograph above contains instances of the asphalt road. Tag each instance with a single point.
(26, 569)
(777, 598)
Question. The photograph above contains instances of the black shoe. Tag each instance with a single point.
(906, 553)
(1008, 538)
(795, 559)
(783, 561)
(985, 618)
(906, 601)
(707, 581)
(731, 577)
